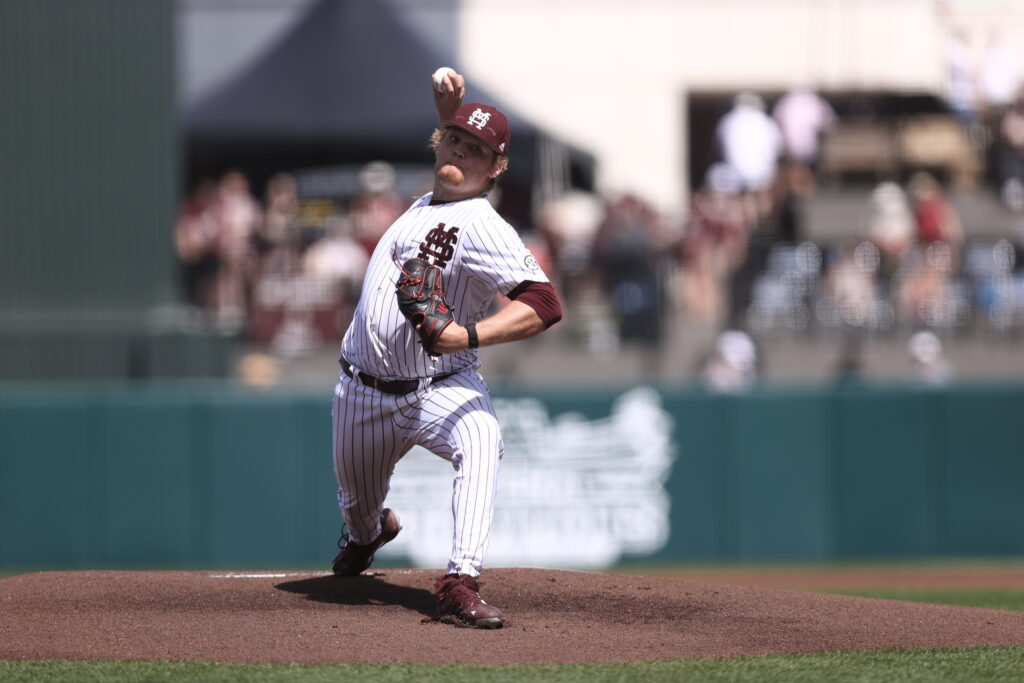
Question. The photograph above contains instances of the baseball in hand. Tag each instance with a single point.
(439, 77)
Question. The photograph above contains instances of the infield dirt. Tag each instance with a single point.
(388, 616)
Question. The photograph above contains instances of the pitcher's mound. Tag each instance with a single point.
(388, 616)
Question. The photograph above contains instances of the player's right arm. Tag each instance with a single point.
(449, 98)
(518, 320)
(513, 322)
(493, 253)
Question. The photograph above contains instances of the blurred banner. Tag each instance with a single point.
(573, 492)
(205, 475)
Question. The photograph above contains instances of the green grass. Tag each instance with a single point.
(967, 597)
(970, 664)
(967, 664)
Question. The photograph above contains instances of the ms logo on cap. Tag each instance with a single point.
(478, 118)
(485, 122)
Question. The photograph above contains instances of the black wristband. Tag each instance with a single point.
(474, 341)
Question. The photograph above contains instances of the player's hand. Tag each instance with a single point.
(450, 97)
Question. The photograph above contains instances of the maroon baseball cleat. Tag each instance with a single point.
(458, 596)
(355, 558)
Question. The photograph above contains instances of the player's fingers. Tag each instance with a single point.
(459, 86)
(452, 83)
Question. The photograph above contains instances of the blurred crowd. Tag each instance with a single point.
(913, 271)
(285, 270)
(984, 88)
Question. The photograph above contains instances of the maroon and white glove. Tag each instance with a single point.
(420, 292)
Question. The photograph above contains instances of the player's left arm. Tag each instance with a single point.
(535, 306)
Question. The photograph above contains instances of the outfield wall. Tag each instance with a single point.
(207, 476)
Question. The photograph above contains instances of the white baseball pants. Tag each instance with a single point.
(453, 419)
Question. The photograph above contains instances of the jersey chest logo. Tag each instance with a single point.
(438, 247)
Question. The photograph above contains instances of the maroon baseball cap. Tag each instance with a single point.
(486, 123)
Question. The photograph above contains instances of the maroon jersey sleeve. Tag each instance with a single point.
(541, 297)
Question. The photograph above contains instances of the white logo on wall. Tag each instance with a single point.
(572, 492)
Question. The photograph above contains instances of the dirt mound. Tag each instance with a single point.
(553, 616)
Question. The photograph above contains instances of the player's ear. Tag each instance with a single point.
(498, 167)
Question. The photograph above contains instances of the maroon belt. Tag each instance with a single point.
(396, 387)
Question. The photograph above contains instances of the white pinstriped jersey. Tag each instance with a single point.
(480, 256)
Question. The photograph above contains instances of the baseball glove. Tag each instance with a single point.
(420, 292)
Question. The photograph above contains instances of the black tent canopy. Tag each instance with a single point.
(348, 84)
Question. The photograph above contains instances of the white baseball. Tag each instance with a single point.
(439, 77)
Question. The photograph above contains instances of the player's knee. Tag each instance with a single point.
(481, 456)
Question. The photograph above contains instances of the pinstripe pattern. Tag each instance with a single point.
(454, 418)
(489, 258)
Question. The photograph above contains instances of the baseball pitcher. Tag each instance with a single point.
(409, 360)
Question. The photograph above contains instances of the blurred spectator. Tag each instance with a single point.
(890, 228)
(277, 236)
(851, 288)
(568, 225)
(630, 259)
(997, 282)
(926, 294)
(213, 237)
(337, 257)
(714, 241)
(784, 292)
(281, 208)
(1013, 196)
(750, 141)
(752, 144)
(961, 87)
(237, 214)
(999, 77)
(793, 185)
(335, 264)
(762, 224)
(733, 366)
(1010, 154)
(999, 80)
(195, 241)
(377, 206)
(935, 217)
(929, 365)
(802, 116)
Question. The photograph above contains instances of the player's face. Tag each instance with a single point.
(464, 167)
